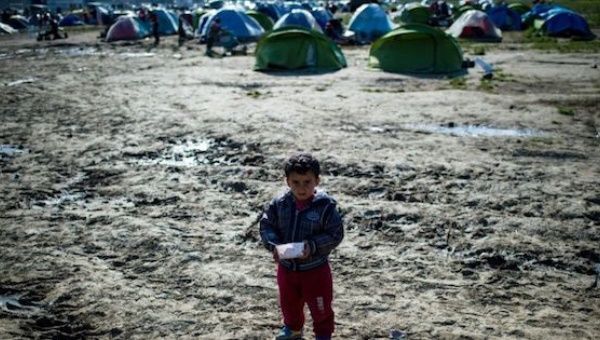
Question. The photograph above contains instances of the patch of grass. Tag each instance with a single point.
(254, 94)
(380, 90)
(478, 50)
(486, 85)
(459, 83)
(566, 111)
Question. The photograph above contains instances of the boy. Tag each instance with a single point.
(305, 215)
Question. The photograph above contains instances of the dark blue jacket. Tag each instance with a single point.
(319, 224)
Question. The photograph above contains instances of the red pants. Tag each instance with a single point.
(313, 287)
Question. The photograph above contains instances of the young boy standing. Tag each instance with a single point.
(302, 214)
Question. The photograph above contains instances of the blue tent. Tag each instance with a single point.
(536, 12)
(322, 15)
(560, 22)
(70, 20)
(270, 9)
(298, 17)
(236, 21)
(370, 22)
(166, 24)
(505, 18)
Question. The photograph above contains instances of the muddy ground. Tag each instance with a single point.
(131, 179)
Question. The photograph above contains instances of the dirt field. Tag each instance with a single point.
(131, 179)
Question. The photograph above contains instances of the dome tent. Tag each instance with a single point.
(519, 7)
(291, 48)
(127, 28)
(561, 22)
(416, 48)
(167, 23)
(236, 21)
(414, 13)
(370, 22)
(264, 20)
(505, 18)
(298, 17)
(475, 25)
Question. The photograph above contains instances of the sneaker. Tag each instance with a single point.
(287, 334)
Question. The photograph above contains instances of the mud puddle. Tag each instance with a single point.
(12, 304)
(11, 150)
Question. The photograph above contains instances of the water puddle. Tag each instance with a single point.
(473, 130)
(137, 55)
(11, 304)
(65, 197)
(22, 81)
(11, 150)
(187, 153)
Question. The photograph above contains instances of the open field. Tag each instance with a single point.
(131, 179)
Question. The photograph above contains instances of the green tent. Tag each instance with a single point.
(416, 48)
(263, 19)
(293, 47)
(460, 10)
(519, 7)
(413, 13)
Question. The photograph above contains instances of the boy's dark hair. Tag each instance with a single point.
(302, 163)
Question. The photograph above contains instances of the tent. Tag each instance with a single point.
(291, 48)
(270, 9)
(298, 17)
(264, 20)
(475, 25)
(127, 28)
(7, 29)
(18, 22)
(370, 22)
(236, 21)
(414, 13)
(505, 18)
(457, 12)
(560, 22)
(416, 48)
(519, 7)
(71, 19)
(167, 22)
(322, 15)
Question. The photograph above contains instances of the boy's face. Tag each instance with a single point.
(302, 185)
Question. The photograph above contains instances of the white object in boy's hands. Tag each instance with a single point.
(290, 250)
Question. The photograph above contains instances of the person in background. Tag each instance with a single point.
(154, 23)
(213, 35)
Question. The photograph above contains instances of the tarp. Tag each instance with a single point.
(505, 18)
(298, 17)
(475, 25)
(237, 22)
(264, 20)
(413, 13)
(416, 48)
(370, 22)
(291, 48)
(71, 20)
(127, 28)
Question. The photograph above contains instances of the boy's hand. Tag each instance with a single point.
(275, 255)
(306, 252)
